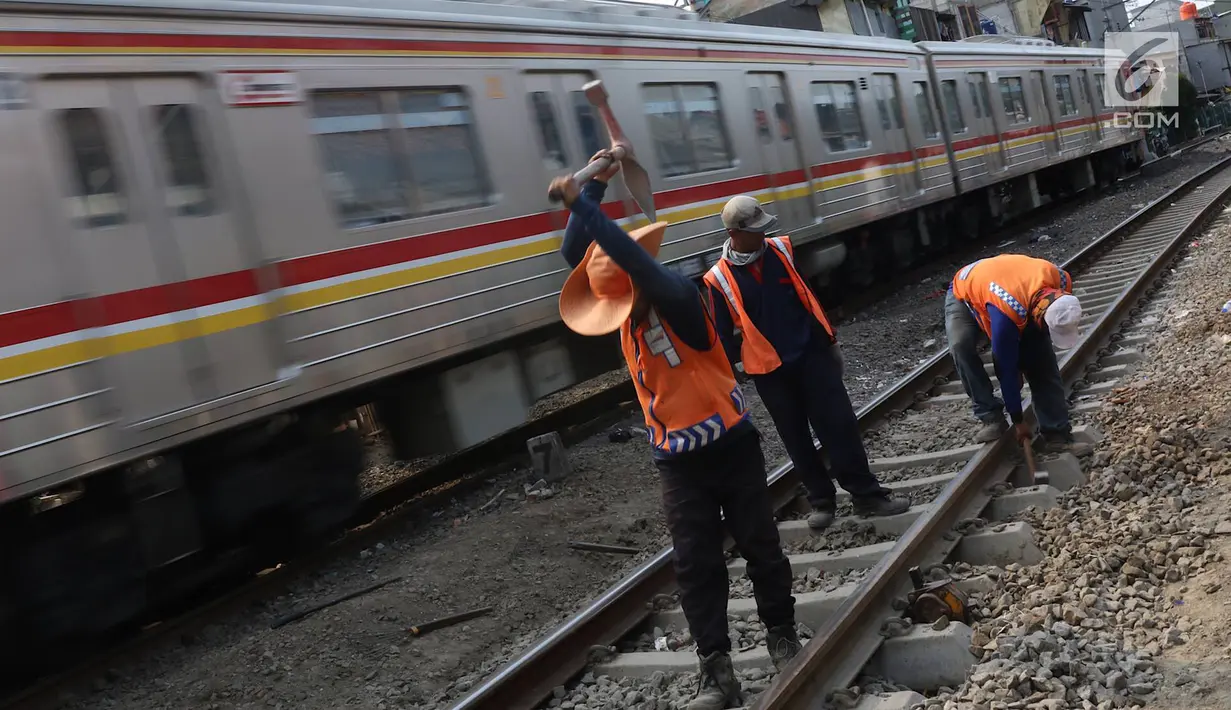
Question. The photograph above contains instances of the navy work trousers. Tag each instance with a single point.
(809, 391)
(722, 486)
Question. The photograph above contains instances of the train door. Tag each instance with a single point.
(985, 120)
(893, 126)
(1092, 103)
(567, 127)
(775, 125)
(182, 320)
(1047, 101)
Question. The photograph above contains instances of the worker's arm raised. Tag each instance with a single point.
(576, 239)
(676, 298)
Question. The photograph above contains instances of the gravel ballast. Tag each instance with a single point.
(513, 554)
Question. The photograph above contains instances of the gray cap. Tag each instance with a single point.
(744, 213)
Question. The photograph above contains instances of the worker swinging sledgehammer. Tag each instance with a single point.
(791, 352)
(1024, 306)
(705, 446)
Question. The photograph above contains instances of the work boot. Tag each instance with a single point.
(991, 431)
(880, 506)
(717, 686)
(1053, 442)
(822, 515)
(783, 645)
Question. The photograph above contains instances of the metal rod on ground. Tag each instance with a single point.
(1029, 460)
(325, 605)
(444, 621)
(595, 547)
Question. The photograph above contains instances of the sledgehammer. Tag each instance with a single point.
(635, 177)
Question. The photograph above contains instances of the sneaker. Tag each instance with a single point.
(880, 506)
(783, 645)
(822, 515)
(1063, 443)
(717, 687)
(991, 431)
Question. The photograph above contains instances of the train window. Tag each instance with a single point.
(442, 151)
(786, 128)
(838, 113)
(363, 173)
(97, 198)
(686, 126)
(924, 106)
(1064, 95)
(592, 130)
(1013, 94)
(953, 109)
(974, 99)
(188, 186)
(759, 117)
(550, 140)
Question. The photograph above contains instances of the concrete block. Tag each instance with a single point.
(811, 608)
(646, 663)
(1109, 372)
(1004, 506)
(926, 659)
(1088, 434)
(1099, 389)
(1134, 340)
(547, 456)
(890, 701)
(1123, 357)
(797, 530)
(943, 399)
(961, 454)
(864, 557)
(1086, 407)
(1062, 472)
(1000, 545)
(910, 484)
(978, 584)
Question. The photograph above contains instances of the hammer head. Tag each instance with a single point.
(635, 176)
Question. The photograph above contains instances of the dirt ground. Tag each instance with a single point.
(512, 554)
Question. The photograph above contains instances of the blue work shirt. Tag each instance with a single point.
(772, 304)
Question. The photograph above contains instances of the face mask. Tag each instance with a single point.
(739, 258)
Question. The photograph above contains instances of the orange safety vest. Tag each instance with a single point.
(689, 397)
(1011, 282)
(758, 355)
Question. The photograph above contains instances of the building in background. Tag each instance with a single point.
(1065, 22)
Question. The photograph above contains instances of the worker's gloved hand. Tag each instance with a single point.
(1022, 432)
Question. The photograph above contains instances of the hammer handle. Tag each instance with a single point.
(581, 177)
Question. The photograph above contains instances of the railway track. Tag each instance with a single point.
(965, 499)
(622, 608)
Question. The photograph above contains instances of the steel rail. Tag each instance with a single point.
(529, 678)
(848, 640)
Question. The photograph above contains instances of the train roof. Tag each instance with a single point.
(602, 17)
(986, 49)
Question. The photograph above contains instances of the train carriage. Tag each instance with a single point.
(227, 224)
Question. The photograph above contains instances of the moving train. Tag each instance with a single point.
(227, 224)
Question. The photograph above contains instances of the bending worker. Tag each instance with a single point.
(790, 352)
(1023, 306)
(705, 446)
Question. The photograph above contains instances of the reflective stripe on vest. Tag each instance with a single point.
(689, 397)
(757, 352)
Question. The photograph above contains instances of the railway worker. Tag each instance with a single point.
(1023, 306)
(791, 354)
(705, 446)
